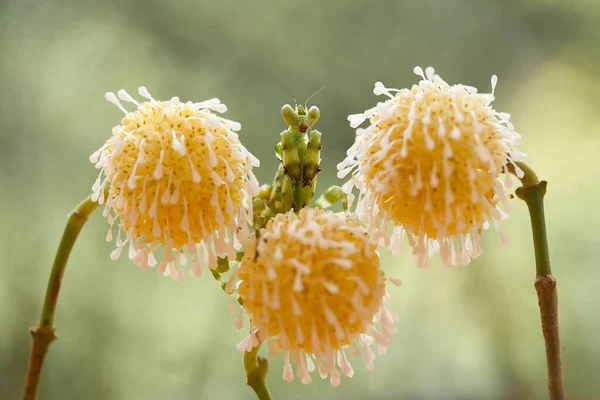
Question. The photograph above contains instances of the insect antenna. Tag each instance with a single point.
(314, 94)
(276, 80)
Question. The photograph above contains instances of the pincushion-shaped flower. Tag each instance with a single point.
(313, 286)
(429, 163)
(177, 177)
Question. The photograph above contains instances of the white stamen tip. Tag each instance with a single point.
(419, 71)
(123, 95)
(110, 96)
(144, 92)
(429, 72)
(379, 88)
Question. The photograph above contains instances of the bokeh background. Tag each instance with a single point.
(465, 332)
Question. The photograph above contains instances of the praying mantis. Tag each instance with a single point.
(293, 187)
(299, 156)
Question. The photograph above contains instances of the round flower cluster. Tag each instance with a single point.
(313, 287)
(428, 162)
(175, 175)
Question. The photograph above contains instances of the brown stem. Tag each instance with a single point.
(41, 340)
(545, 287)
(532, 192)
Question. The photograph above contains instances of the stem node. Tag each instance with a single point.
(256, 368)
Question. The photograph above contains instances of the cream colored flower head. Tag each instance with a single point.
(429, 163)
(176, 176)
(315, 291)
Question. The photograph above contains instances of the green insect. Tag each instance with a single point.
(299, 156)
(293, 187)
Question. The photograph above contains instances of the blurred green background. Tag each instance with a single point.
(465, 333)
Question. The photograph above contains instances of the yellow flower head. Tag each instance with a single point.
(429, 163)
(313, 286)
(177, 176)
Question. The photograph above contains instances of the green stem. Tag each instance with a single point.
(42, 333)
(532, 193)
(223, 267)
(256, 368)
